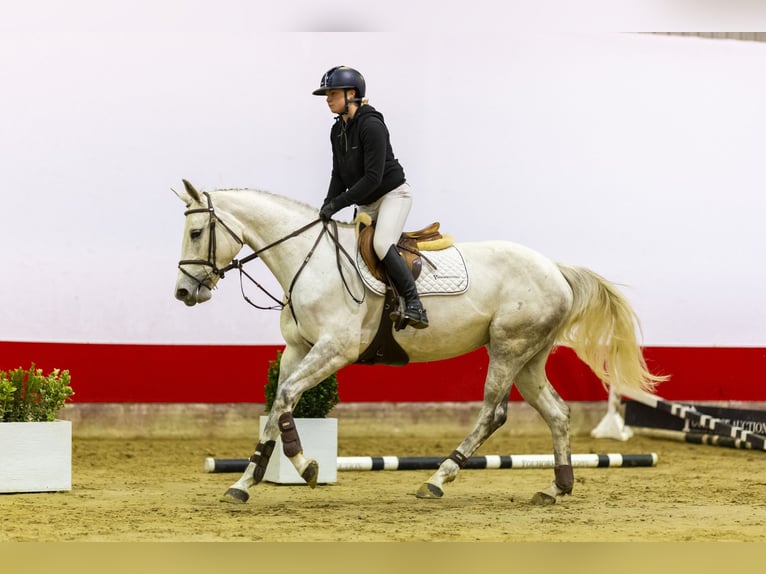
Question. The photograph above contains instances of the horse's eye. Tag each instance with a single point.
(195, 233)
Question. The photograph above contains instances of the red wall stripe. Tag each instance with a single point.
(236, 373)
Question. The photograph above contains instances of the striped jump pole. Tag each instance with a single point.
(713, 424)
(693, 437)
(513, 461)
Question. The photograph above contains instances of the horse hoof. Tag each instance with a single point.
(543, 499)
(428, 490)
(311, 473)
(236, 496)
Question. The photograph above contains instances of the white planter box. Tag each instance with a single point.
(319, 438)
(36, 457)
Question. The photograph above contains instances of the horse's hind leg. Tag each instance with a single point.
(493, 414)
(535, 388)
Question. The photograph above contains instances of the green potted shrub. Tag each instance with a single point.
(319, 434)
(315, 403)
(35, 447)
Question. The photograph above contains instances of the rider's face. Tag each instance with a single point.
(336, 101)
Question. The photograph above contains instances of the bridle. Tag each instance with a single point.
(211, 247)
(239, 263)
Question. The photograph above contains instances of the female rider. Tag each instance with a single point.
(365, 173)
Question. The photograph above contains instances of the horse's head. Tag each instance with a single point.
(209, 245)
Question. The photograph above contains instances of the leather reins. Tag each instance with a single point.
(239, 263)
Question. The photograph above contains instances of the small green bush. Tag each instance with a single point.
(30, 396)
(314, 404)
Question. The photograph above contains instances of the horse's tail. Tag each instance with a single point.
(601, 328)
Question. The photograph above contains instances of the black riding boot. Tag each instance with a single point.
(401, 277)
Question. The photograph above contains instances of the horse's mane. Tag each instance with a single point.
(297, 203)
(269, 193)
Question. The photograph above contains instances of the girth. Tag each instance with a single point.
(384, 350)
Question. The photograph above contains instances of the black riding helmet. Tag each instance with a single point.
(342, 78)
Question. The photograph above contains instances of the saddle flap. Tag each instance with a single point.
(367, 252)
(410, 244)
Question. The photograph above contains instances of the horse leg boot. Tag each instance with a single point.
(254, 473)
(414, 314)
(291, 446)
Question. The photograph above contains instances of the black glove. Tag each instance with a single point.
(328, 210)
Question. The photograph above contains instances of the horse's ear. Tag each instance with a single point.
(189, 195)
(191, 191)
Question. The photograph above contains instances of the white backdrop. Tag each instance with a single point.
(638, 156)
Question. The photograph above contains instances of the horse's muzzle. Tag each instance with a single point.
(191, 298)
(184, 295)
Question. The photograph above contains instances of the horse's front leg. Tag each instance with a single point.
(259, 461)
(298, 372)
(256, 468)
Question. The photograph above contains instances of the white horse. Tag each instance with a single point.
(519, 305)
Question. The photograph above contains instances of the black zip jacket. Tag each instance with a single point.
(364, 168)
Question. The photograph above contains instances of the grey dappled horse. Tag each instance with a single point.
(519, 305)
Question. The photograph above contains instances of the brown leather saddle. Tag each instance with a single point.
(384, 350)
(411, 244)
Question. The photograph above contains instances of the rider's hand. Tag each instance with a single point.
(328, 210)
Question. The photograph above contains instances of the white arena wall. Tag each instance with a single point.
(639, 156)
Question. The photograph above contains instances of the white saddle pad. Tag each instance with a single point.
(447, 276)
